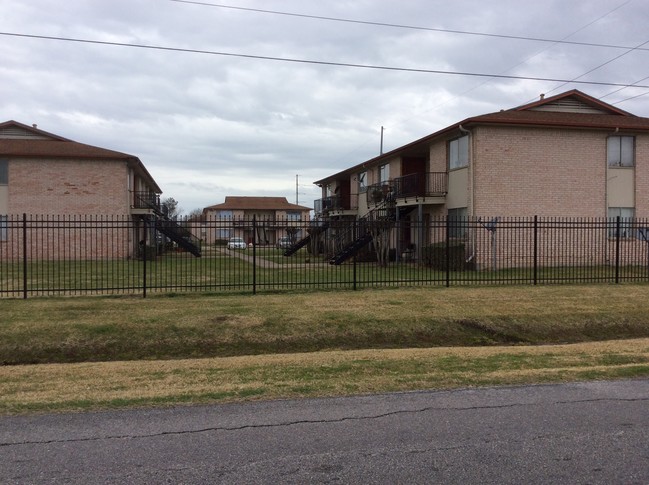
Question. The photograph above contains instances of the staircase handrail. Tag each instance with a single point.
(360, 226)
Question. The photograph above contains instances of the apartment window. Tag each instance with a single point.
(293, 216)
(457, 222)
(3, 228)
(4, 171)
(620, 151)
(222, 234)
(626, 215)
(458, 152)
(4, 180)
(362, 182)
(384, 173)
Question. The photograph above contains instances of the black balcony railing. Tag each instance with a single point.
(431, 184)
(325, 204)
(146, 200)
(379, 193)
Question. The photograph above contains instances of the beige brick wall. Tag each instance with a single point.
(69, 237)
(642, 176)
(546, 172)
(68, 187)
(65, 193)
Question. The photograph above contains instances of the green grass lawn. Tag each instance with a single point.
(223, 270)
(61, 354)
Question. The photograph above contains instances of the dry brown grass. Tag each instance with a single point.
(55, 387)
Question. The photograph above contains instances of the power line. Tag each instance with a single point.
(625, 87)
(597, 67)
(310, 61)
(630, 98)
(486, 81)
(410, 27)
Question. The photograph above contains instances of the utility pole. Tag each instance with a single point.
(381, 141)
(296, 186)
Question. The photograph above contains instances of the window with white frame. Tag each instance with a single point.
(384, 173)
(458, 152)
(294, 216)
(626, 215)
(620, 151)
(457, 219)
(362, 182)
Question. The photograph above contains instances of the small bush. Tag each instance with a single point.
(149, 252)
(435, 256)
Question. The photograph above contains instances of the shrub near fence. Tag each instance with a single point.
(124, 255)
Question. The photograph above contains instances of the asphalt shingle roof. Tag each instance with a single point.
(256, 203)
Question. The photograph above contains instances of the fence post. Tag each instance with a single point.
(536, 248)
(144, 257)
(24, 256)
(355, 233)
(254, 254)
(448, 251)
(617, 249)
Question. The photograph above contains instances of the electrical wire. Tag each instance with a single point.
(308, 61)
(410, 27)
(597, 67)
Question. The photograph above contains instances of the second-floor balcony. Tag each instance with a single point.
(335, 203)
(145, 201)
(416, 185)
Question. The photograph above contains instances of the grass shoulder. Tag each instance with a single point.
(129, 351)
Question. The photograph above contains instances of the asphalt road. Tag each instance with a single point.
(590, 433)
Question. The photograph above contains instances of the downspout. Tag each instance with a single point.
(471, 209)
(606, 218)
(471, 168)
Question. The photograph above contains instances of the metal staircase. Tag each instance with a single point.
(170, 228)
(312, 231)
(358, 235)
(179, 234)
(350, 249)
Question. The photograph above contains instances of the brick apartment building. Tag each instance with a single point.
(568, 155)
(275, 217)
(49, 177)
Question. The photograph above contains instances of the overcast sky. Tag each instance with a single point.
(207, 125)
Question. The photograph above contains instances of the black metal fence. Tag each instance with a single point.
(130, 255)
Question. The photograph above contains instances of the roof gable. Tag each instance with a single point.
(573, 101)
(12, 130)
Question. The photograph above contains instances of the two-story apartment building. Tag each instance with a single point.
(274, 217)
(47, 176)
(568, 155)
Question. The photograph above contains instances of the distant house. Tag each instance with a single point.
(46, 175)
(274, 217)
(568, 155)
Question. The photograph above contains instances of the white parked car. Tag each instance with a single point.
(284, 242)
(236, 243)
